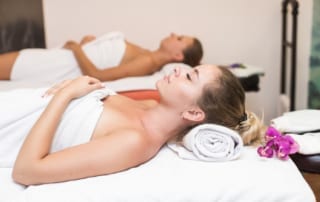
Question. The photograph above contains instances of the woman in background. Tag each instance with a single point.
(106, 58)
(110, 133)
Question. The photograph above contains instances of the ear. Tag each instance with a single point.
(194, 114)
(179, 56)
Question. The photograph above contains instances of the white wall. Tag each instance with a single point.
(247, 31)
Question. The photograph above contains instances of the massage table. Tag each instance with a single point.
(169, 178)
(248, 75)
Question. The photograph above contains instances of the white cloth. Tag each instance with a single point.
(247, 71)
(168, 178)
(56, 64)
(209, 142)
(309, 143)
(147, 82)
(299, 121)
(21, 108)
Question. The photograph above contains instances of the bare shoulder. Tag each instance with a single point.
(149, 103)
(136, 144)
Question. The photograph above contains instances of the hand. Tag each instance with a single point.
(71, 45)
(75, 88)
(87, 39)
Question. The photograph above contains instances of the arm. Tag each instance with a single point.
(87, 39)
(111, 153)
(37, 144)
(140, 66)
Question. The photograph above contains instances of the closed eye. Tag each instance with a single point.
(188, 77)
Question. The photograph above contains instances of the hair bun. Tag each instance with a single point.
(251, 129)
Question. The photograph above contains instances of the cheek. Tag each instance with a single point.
(187, 92)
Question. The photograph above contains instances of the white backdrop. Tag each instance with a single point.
(247, 31)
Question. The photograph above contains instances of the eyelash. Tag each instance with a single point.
(188, 77)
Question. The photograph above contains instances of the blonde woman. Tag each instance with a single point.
(126, 132)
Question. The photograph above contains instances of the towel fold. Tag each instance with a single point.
(300, 121)
(208, 142)
(309, 143)
(245, 70)
(21, 108)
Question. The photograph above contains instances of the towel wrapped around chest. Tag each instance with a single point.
(21, 108)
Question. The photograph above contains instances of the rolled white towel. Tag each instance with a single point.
(309, 143)
(209, 142)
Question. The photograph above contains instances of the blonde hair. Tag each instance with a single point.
(223, 101)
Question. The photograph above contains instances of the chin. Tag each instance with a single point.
(159, 85)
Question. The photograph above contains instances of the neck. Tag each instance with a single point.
(161, 57)
(163, 123)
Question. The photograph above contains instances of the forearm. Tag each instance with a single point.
(86, 66)
(38, 142)
(34, 159)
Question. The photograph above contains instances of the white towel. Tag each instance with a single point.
(19, 110)
(209, 142)
(299, 121)
(309, 143)
(143, 82)
(57, 64)
(247, 70)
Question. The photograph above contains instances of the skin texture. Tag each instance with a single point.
(128, 133)
(136, 61)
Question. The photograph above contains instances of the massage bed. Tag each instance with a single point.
(248, 75)
(167, 177)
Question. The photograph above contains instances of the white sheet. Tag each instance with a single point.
(131, 83)
(167, 178)
(124, 84)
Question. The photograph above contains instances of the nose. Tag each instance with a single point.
(177, 71)
(173, 34)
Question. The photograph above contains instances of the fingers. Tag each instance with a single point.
(87, 39)
(95, 83)
(84, 85)
(54, 89)
(70, 44)
(79, 86)
(92, 80)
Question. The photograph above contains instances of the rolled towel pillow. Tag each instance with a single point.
(209, 142)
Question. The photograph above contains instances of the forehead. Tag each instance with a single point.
(208, 72)
(188, 40)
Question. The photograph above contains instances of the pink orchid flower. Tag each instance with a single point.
(278, 144)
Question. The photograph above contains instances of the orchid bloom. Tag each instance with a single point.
(278, 144)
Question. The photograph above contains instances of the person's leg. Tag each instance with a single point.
(6, 64)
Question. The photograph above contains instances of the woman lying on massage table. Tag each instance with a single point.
(126, 132)
(106, 58)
